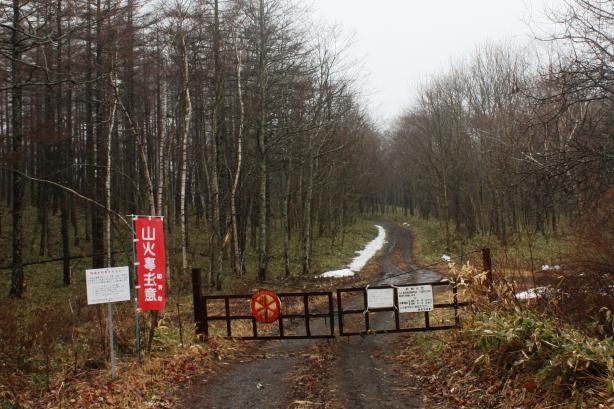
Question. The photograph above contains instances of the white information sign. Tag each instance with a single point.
(380, 298)
(109, 284)
(416, 298)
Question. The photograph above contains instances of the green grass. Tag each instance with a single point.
(44, 285)
(327, 253)
(522, 250)
(51, 332)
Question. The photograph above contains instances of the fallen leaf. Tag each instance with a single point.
(530, 385)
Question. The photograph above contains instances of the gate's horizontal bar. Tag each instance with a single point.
(379, 287)
(249, 317)
(309, 294)
(310, 315)
(265, 338)
(452, 305)
(436, 306)
(371, 310)
(396, 331)
(249, 296)
(326, 315)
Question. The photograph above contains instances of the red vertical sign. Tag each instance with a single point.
(151, 262)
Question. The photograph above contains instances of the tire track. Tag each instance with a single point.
(365, 377)
(360, 374)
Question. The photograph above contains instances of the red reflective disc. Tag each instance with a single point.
(266, 306)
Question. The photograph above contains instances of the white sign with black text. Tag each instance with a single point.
(415, 298)
(380, 298)
(109, 284)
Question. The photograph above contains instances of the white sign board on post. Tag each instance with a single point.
(380, 298)
(110, 284)
(107, 285)
(415, 298)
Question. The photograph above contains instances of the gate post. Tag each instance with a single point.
(199, 311)
(487, 266)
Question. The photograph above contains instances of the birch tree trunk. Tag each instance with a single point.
(187, 116)
(108, 171)
(162, 144)
(237, 262)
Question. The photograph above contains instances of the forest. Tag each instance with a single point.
(246, 115)
(516, 140)
(244, 123)
(242, 114)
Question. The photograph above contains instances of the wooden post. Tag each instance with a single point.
(487, 265)
(199, 311)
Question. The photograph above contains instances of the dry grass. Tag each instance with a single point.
(54, 347)
(508, 356)
(150, 384)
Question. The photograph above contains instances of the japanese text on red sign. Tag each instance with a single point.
(151, 262)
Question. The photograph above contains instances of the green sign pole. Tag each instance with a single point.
(136, 291)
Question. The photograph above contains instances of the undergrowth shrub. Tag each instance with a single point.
(519, 337)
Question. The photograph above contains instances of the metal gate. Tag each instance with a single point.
(444, 315)
(285, 327)
(301, 311)
(312, 315)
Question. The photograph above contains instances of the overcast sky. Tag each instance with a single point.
(400, 43)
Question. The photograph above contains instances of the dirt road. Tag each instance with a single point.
(357, 372)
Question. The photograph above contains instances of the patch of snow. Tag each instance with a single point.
(547, 267)
(446, 258)
(346, 272)
(533, 293)
(362, 257)
(405, 224)
(369, 251)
